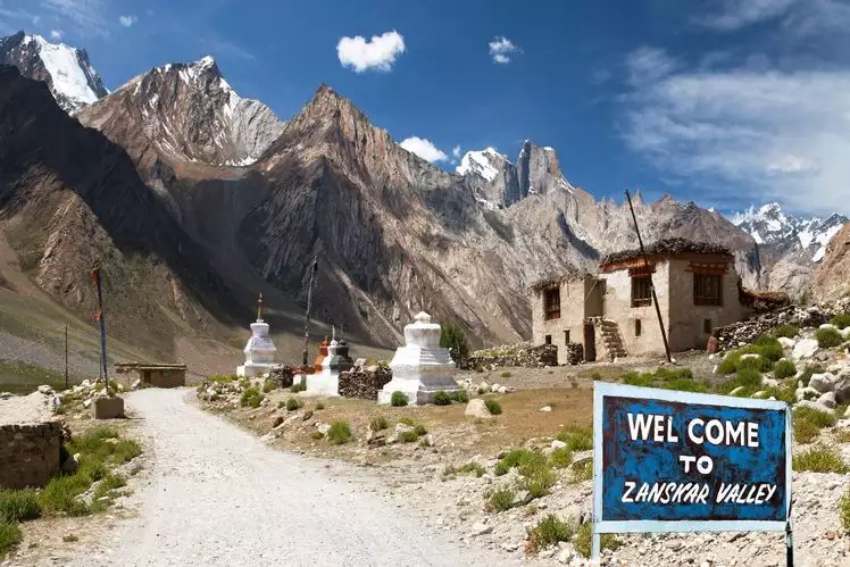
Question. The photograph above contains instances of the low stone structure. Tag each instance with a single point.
(731, 336)
(420, 368)
(30, 440)
(363, 382)
(283, 376)
(524, 355)
(155, 375)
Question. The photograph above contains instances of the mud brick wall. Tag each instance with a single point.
(29, 454)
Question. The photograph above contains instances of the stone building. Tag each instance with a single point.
(155, 375)
(611, 315)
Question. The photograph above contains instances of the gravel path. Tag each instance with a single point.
(218, 496)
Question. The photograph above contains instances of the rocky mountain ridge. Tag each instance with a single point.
(67, 70)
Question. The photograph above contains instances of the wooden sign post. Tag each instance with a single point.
(671, 461)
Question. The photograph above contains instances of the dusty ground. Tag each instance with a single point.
(414, 475)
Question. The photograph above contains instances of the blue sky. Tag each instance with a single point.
(725, 103)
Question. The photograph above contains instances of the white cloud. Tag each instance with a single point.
(84, 15)
(734, 14)
(649, 64)
(379, 53)
(501, 49)
(456, 152)
(424, 149)
(746, 134)
(56, 34)
(128, 21)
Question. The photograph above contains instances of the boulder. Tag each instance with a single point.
(842, 389)
(786, 342)
(806, 348)
(477, 408)
(814, 405)
(822, 382)
(807, 393)
(828, 400)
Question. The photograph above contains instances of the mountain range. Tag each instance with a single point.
(209, 198)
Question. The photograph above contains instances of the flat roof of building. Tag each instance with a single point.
(665, 248)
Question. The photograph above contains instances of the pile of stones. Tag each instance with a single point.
(575, 353)
(363, 382)
(732, 336)
(523, 355)
(282, 376)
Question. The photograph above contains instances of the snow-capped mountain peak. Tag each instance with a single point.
(66, 70)
(485, 163)
(770, 225)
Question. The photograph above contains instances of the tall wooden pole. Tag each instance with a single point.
(313, 269)
(651, 285)
(101, 316)
(66, 356)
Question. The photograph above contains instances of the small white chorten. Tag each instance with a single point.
(421, 368)
(260, 350)
(326, 382)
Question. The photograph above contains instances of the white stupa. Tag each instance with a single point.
(260, 350)
(421, 368)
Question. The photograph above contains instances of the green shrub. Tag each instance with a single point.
(757, 362)
(442, 398)
(501, 500)
(515, 458)
(378, 423)
(808, 372)
(820, 459)
(538, 478)
(251, 398)
(461, 396)
(828, 338)
(398, 399)
(419, 429)
(842, 321)
(549, 531)
(843, 511)
(453, 338)
(223, 378)
(293, 404)
(268, 386)
(472, 468)
(748, 378)
(820, 419)
(10, 536)
(787, 331)
(505, 374)
(583, 540)
(843, 436)
(561, 457)
(299, 387)
(493, 407)
(769, 348)
(319, 406)
(339, 433)
(639, 379)
(784, 369)
(316, 435)
(407, 421)
(805, 431)
(408, 436)
(577, 438)
(729, 364)
(19, 505)
(785, 391)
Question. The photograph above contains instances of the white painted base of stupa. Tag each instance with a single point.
(417, 393)
(256, 369)
(324, 383)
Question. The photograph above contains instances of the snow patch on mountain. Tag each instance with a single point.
(481, 163)
(770, 225)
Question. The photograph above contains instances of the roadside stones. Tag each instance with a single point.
(822, 382)
(806, 348)
(828, 400)
(813, 405)
(421, 367)
(477, 408)
(546, 409)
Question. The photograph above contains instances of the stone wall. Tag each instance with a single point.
(363, 383)
(29, 453)
(282, 375)
(522, 355)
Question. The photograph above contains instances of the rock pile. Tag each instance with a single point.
(363, 382)
(575, 353)
(731, 336)
(524, 355)
(282, 376)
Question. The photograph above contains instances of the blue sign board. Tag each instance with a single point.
(667, 461)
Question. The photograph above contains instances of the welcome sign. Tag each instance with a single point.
(669, 461)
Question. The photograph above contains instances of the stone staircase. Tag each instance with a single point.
(611, 338)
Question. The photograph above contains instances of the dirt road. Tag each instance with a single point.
(218, 496)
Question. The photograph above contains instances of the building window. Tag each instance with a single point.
(708, 289)
(552, 303)
(638, 328)
(706, 326)
(641, 291)
(566, 337)
(548, 339)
